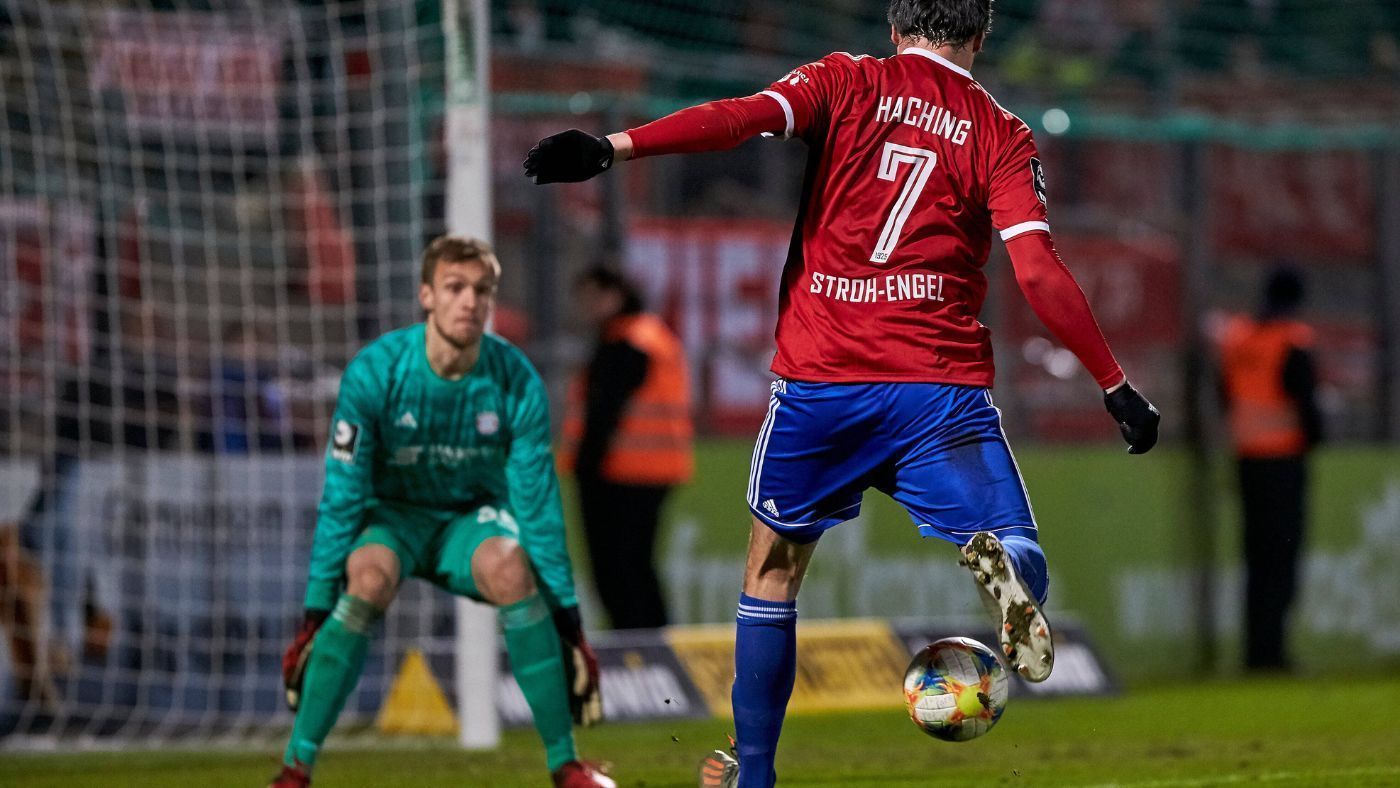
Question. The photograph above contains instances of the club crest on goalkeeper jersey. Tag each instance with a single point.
(912, 167)
(402, 433)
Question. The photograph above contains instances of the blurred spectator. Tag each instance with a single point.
(1259, 36)
(1269, 391)
(1074, 45)
(126, 398)
(525, 23)
(511, 324)
(1091, 28)
(22, 593)
(628, 439)
(251, 407)
(1340, 36)
(1220, 34)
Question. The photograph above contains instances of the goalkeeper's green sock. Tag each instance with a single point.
(333, 670)
(536, 660)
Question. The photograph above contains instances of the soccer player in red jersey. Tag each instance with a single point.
(884, 370)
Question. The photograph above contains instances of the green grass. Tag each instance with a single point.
(1299, 732)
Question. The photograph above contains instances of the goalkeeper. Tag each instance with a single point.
(439, 467)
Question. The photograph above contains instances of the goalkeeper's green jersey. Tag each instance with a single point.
(405, 435)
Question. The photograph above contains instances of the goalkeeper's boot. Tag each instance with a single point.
(291, 777)
(582, 774)
(719, 770)
(1021, 627)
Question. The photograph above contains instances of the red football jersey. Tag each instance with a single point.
(912, 167)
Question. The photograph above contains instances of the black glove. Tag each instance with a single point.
(568, 157)
(295, 658)
(580, 669)
(1137, 418)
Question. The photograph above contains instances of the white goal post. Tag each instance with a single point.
(466, 29)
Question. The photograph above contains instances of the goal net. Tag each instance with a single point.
(206, 207)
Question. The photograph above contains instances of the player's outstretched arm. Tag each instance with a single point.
(574, 155)
(1060, 304)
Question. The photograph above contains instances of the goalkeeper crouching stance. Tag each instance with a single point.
(439, 467)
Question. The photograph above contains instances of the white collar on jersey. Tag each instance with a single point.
(937, 58)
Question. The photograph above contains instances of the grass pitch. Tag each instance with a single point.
(1300, 731)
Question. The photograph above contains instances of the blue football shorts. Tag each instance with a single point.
(937, 449)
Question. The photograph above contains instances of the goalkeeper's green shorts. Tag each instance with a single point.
(434, 544)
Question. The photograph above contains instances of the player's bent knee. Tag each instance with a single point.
(775, 565)
(502, 571)
(373, 585)
(372, 574)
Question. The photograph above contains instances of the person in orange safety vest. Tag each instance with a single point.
(1268, 386)
(628, 439)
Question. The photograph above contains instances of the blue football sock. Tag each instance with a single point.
(765, 665)
(1029, 561)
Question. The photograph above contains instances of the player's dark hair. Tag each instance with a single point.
(456, 249)
(605, 278)
(951, 22)
(1284, 291)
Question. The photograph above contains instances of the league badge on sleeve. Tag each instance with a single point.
(1038, 179)
(345, 441)
(797, 76)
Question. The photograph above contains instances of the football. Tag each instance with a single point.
(955, 689)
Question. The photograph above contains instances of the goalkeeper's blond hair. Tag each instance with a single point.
(457, 249)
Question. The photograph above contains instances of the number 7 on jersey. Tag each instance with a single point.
(891, 158)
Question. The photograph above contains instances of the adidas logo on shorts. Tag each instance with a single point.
(770, 507)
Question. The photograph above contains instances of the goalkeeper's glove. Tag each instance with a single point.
(295, 658)
(580, 669)
(1137, 418)
(568, 157)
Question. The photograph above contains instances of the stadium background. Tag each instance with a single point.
(206, 207)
